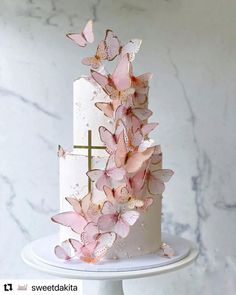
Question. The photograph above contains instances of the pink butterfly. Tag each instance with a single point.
(117, 85)
(109, 139)
(141, 81)
(141, 85)
(167, 250)
(63, 251)
(131, 48)
(107, 49)
(108, 108)
(138, 131)
(71, 219)
(119, 194)
(126, 111)
(82, 249)
(85, 207)
(86, 36)
(131, 161)
(93, 251)
(156, 156)
(105, 177)
(135, 182)
(115, 220)
(61, 152)
(156, 180)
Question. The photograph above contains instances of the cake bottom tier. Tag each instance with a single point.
(144, 236)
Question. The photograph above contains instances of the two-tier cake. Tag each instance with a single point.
(111, 184)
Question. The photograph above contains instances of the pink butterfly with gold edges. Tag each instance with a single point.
(115, 220)
(131, 161)
(131, 48)
(156, 180)
(135, 182)
(138, 131)
(108, 108)
(107, 49)
(86, 36)
(117, 85)
(110, 139)
(121, 195)
(71, 219)
(104, 177)
(85, 207)
(61, 152)
(126, 112)
(63, 251)
(93, 251)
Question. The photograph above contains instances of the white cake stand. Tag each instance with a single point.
(39, 254)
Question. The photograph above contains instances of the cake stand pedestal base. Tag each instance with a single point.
(110, 287)
(109, 274)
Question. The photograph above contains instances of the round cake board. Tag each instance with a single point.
(46, 255)
(40, 255)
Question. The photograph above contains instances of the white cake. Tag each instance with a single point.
(111, 183)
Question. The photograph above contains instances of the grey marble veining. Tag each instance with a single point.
(190, 48)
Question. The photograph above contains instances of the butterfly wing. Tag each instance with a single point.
(155, 186)
(131, 48)
(75, 203)
(99, 78)
(121, 228)
(61, 152)
(107, 222)
(121, 193)
(109, 194)
(77, 38)
(95, 174)
(85, 202)
(130, 217)
(90, 233)
(112, 170)
(71, 219)
(163, 174)
(105, 242)
(77, 246)
(137, 159)
(92, 61)
(147, 128)
(121, 76)
(108, 139)
(88, 31)
(121, 151)
(137, 181)
(142, 113)
(106, 108)
(61, 253)
(157, 155)
(112, 45)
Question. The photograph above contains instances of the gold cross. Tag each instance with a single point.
(90, 147)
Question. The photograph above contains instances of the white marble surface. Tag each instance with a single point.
(190, 47)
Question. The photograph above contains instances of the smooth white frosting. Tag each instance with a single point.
(86, 115)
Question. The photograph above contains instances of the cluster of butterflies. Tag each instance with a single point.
(131, 166)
